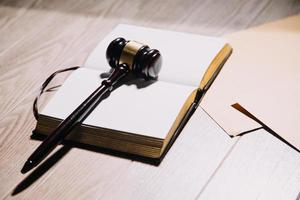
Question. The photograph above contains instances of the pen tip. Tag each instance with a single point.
(27, 166)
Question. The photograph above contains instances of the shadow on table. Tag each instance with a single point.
(41, 169)
(59, 154)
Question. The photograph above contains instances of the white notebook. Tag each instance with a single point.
(137, 120)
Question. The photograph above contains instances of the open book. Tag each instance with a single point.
(137, 119)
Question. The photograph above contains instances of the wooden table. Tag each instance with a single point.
(38, 37)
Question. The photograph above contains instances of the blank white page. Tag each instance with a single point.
(185, 56)
(149, 111)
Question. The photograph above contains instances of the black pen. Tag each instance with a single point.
(75, 118)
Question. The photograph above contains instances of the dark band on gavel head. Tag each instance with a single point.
(140, 59)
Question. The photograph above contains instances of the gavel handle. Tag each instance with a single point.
(75, 118)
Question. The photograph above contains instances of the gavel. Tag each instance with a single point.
(124, 57)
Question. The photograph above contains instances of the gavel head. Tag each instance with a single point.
(140, 59)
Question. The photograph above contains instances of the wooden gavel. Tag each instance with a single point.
(124, 57)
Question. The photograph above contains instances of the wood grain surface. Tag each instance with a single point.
(38, 37)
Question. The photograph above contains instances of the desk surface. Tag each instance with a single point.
(39, 37)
